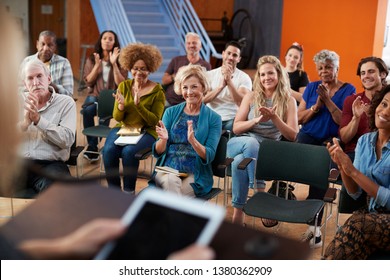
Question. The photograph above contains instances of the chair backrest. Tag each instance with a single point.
(220, 157)
(293, 162)
(105, 103)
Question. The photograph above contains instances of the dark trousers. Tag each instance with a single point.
(314, 193)
(37, 169)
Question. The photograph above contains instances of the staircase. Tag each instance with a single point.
(163, 23)
(151, 25)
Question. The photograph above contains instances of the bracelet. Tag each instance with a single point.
(314, 111)
(335, 109)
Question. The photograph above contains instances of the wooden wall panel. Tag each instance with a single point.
(82, 29)
(213, 9)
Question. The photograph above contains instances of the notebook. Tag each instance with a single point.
(128, 140)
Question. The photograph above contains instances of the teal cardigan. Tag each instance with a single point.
(208, 134)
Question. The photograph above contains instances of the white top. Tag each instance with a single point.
(224, 103)
(106, 72)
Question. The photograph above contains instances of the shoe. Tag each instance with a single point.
(92, 157)
(129, 192)
(308, 236)
(268, 223)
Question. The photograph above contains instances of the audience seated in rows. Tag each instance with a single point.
(87, 240)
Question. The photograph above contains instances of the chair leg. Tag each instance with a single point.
(151, 166)
(323, 227)
(323, 241)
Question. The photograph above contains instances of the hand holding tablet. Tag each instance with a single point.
(160, 223)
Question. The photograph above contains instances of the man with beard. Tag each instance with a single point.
(228, 85)
(354, 121)
(48, 126)
(193, 46)
(60, 70)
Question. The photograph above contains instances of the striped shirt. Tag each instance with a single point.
(60, 71)
(53, 136)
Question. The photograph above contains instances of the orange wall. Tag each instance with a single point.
(352, 28)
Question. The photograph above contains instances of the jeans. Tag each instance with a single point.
(111, 155)
(89, 114)
(239, 148)
(228, 125)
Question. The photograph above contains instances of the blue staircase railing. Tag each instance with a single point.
(185, 19)
(110, 15)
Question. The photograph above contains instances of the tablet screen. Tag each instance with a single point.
(156, 232)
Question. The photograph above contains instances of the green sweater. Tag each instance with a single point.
(148, 112)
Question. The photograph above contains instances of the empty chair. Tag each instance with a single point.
(105, 106)
(292, 162)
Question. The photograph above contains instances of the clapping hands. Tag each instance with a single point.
(161, 130)
(265, 114)
(31, 110)
(227, 72)
(98, 62)
(190, 132)
(342, 160)
(359, 107)
(119, 99)
(114, 55)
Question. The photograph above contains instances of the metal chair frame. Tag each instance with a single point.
(290, 162)
(105, 107)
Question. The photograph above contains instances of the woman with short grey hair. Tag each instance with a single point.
(319, 113)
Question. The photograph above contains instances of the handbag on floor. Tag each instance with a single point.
(282, 190)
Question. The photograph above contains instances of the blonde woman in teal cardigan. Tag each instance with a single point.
(188, 137)
(140, 104)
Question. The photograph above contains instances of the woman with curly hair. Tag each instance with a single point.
(101, 71)
(367, 230)
(139, 104)
(269, 111)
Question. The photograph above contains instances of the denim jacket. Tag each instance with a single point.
(377, 170)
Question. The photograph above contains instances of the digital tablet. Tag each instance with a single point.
(159, 223)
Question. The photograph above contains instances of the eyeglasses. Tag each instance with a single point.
(141, 70)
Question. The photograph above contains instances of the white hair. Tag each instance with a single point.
(324, 55)
(192, 34)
